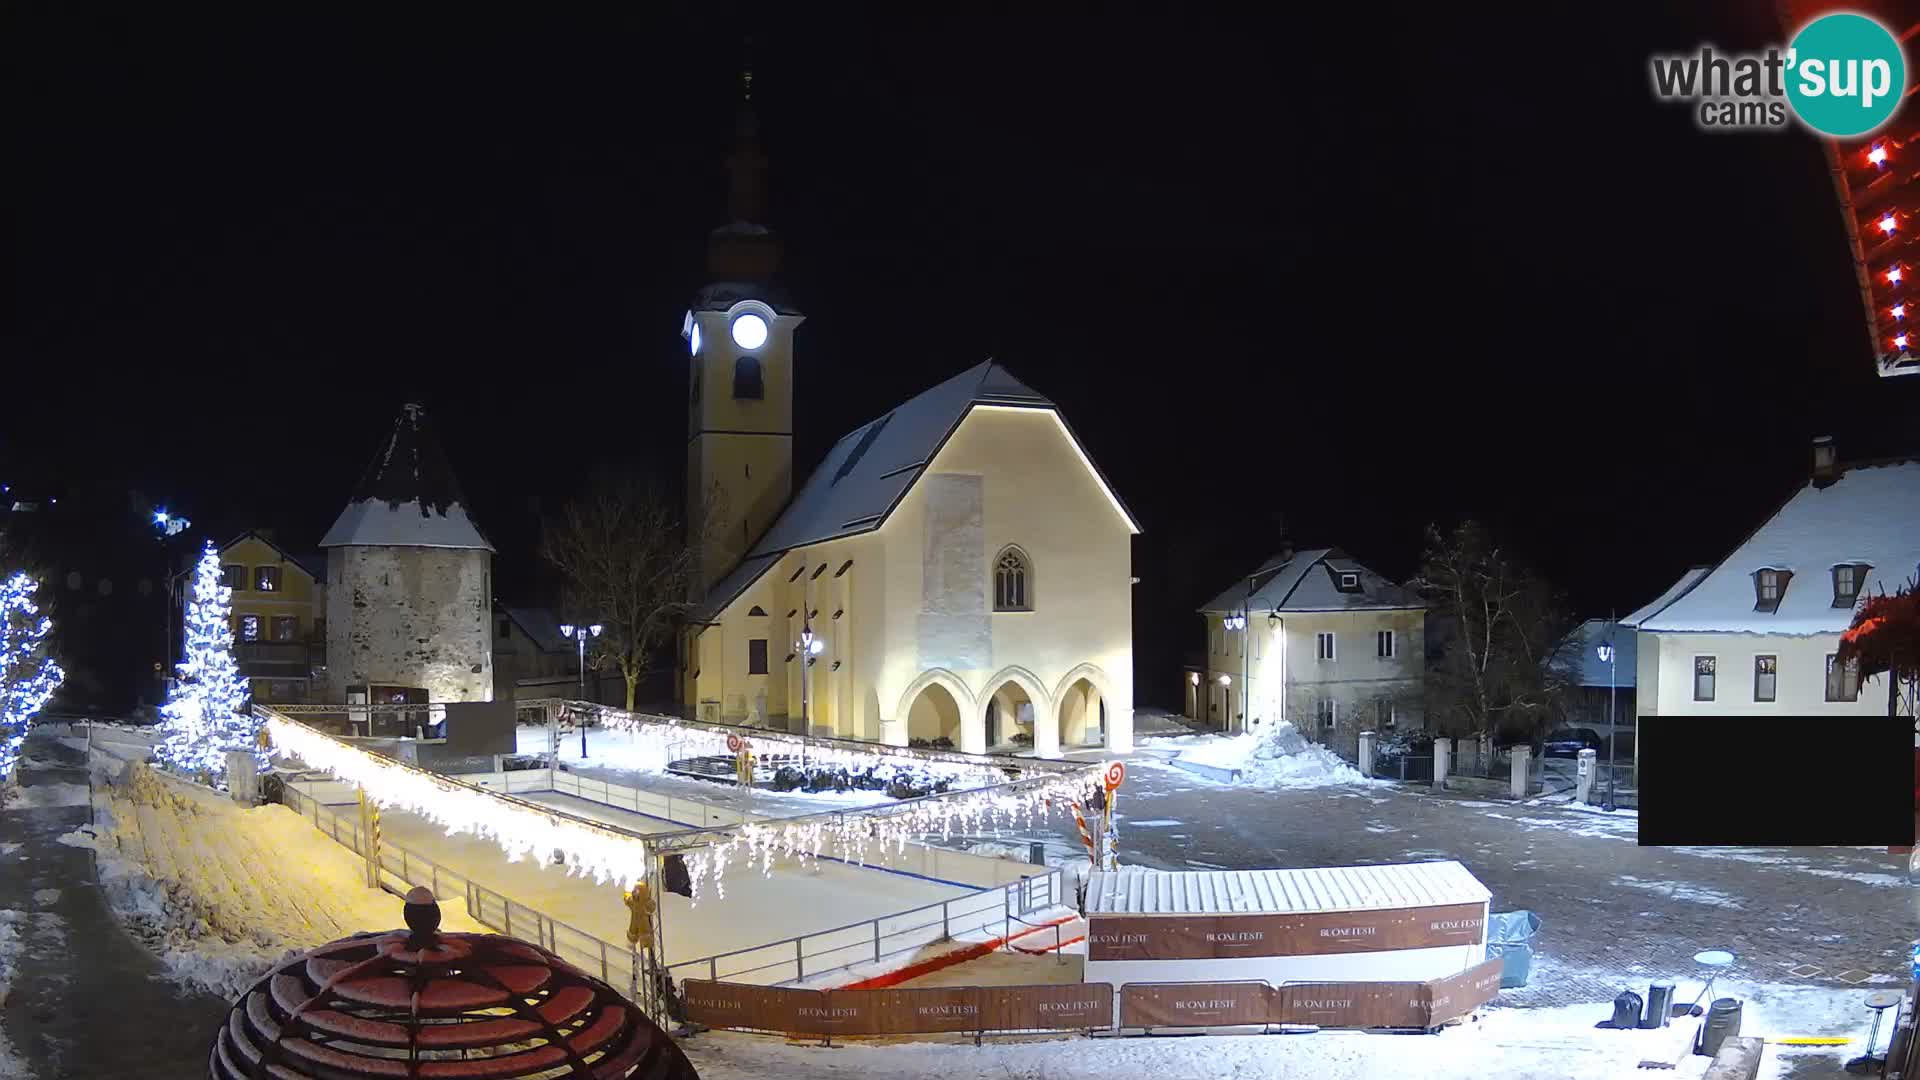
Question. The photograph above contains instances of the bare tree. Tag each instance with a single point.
(1500, 627)
(630, 565)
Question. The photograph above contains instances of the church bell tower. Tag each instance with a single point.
(739, 336)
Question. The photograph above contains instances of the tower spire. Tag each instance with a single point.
(744, 249)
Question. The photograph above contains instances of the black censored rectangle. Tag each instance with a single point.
(1776, 781)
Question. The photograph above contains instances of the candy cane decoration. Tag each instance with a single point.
(1085, 836)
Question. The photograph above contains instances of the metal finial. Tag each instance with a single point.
(746, 70)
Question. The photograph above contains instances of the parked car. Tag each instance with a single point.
(1568, 742)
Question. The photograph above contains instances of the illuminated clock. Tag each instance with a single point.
(749, 331)
(693, 339)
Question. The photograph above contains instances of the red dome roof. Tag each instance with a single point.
(467, 1007)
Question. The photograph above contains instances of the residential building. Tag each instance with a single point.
(1317, 639)
(409, 581)
(1757, 632)
(279, 615)
(956, 569)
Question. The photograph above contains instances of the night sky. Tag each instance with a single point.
(1358, 276)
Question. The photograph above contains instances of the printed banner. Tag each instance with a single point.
(762, 1008)
(1215, 937)
(1458, 995)
(899, 1012)
(1353, 1004)
(1195, 1004)
(1048, 1008)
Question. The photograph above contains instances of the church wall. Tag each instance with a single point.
(405, 616)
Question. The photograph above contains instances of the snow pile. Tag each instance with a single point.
(41, 795)
(1279, 757)
(220, 892)
(11, 946)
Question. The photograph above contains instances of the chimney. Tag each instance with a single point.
(1826, 461)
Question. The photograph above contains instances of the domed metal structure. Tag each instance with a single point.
(430, 1005)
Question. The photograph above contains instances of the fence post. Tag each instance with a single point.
(1442, 753)
(799, 962)
(946, 932)
(876, 941)
(1366, 753)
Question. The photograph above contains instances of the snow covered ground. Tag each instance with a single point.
(1278, 757)
(756, 909)
(13, 925)
(220, 892)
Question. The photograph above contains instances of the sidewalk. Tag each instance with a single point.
(87, 999)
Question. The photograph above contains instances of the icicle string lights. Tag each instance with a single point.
(521, 830)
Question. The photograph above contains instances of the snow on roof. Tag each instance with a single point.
(1674, 592)
(1337, 888)
(1870, 515)
(1580, 654)
(408, 497)
(872, 467)
(1291, 584)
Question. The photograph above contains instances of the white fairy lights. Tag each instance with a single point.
(28, 673)
(520, 829)
(205, 715)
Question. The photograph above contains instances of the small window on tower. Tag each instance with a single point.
(746, 378)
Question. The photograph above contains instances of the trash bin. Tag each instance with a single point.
(1626, 1010)
(1723, 1023)
(1510, 937)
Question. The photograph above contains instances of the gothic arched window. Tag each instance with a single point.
(1012, 581)
(746, 378)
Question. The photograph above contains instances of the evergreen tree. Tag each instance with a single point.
(28, 672)
(205, 715)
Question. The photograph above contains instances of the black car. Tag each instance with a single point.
(1568, 742)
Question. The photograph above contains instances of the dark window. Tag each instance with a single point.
(1349, 582)
(1768, 587)
(1383, 644)
(817, 573)
(1846, 583)
(1766, 672)
(286, 628)
(757, 656)
(1323, 645)
(505, 629)
(1703, 668)
(1328, 712)
(1385, 713)
(234, 576)
(1843, 680)
(746, 378)
(801, 569)
(844, 567)
(757, 610)
(1012, 581)
(249, 628)
(266, 579)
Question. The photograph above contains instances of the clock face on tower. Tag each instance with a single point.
(693, 339)
(749, 331)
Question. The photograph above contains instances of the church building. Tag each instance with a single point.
(957, 571)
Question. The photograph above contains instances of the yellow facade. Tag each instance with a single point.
(277, 621)
(1059, 673)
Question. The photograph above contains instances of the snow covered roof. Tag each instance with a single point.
(871, 469)
(1870, 515)
(1674, 592)
(1337, 888)
(1308, 581)
(408, 497)
(1580, 654)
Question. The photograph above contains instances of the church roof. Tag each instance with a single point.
(872, 467)
(408, 497)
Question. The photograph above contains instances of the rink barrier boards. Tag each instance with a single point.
(1089, 1007)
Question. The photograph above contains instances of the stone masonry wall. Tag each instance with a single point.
(408, 616)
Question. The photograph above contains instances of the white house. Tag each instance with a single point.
(956, 569)
(1315, 638)
(1757, 632)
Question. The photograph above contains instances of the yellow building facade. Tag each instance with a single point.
(279, 629)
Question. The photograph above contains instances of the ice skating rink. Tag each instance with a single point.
(756, 909)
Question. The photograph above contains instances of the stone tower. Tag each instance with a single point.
(409, 578)
(739, 335)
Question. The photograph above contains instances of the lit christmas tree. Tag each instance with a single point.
(205, 715)
(28, 673)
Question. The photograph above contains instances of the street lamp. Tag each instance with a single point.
(580, 634)
(168, 526)
(810, 646)
(1607, 658)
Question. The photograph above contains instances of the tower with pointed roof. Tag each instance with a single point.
(739, 335)
(409, 579)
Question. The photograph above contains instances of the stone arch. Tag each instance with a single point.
(955, 687)
(1073, 713)
(1030, 685)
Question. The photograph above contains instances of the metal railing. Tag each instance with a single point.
(824, 952)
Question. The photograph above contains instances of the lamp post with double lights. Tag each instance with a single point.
(168, 527)
(1607, 657)
(1238, 623)
(810, 646)
(580, 634)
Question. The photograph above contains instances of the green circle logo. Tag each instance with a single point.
(1846, 75)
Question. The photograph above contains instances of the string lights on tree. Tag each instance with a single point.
(205, 714)
(28, 672)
